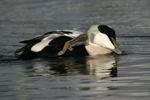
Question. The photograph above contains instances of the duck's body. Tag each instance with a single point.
(48, 45)
(51, 43)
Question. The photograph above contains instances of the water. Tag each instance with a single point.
(108, 77)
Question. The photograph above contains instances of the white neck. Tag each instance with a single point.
(94, 49)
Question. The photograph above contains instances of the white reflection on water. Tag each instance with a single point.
(73, 75)
(101, 66)
(46, 76)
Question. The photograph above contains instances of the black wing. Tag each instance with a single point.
(31, 42)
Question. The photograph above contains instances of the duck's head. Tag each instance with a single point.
(104, 36)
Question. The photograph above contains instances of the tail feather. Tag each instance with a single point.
(22, 48)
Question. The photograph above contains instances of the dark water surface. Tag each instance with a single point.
(108, 77)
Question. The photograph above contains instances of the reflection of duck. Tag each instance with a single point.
(100, 39)
(101, 66)
(81, 74)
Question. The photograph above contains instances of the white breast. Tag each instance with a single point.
(94, 49)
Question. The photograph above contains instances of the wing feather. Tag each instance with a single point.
(48, 35)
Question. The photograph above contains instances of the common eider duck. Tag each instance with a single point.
(99, 40)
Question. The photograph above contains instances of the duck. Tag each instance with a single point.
(98, 40)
